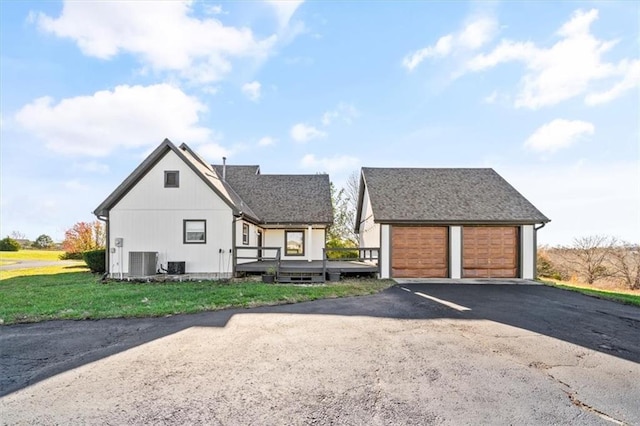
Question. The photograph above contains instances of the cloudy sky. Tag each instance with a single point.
(544, 93)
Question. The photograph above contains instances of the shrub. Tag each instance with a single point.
(9, 244)
(71, 256)
(341, 254)
(95, 260)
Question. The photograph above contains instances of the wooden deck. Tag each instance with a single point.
(261, 259)
(315, 266)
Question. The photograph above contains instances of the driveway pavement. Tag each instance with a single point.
(414, 354)
(24, 264)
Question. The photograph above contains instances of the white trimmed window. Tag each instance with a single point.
(245, 234)
(171, 179)
(195, 231)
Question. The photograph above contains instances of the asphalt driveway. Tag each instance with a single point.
(414, 354)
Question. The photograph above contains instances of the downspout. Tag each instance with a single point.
(107, 250)
(535, 246)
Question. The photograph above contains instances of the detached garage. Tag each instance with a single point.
(447, 223)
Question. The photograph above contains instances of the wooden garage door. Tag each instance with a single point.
(419, 252)
(490, 252)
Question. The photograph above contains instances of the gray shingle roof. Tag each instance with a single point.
(445, 195)
(282, 198)
(268, 199)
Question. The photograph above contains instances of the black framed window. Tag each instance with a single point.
(294, 243)
(171, 179)
(195, 231)
(245, 234)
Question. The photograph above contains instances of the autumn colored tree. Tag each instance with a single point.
(84, 236)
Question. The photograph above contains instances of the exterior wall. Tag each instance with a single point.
(385, 251)
(455, 252)
(275, 238)
(253, 241)
(368, 231)
(528, 252)
(150, 218)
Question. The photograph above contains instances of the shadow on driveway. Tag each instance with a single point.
(30, 353)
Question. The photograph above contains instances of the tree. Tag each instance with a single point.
(588, 256)
(9, 244)
(84, 236)
(43, 241)
(625, 262)
(343, 217)
(17, 235)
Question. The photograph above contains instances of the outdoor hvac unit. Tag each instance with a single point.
(175, 268)
(142, 263)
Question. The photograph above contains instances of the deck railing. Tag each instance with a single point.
(360, 254)
(258, 254)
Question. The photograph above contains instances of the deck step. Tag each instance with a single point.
(301, 277)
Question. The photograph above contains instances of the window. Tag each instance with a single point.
(171, 179)
(195, 231)
(294, 243)
(245, 234)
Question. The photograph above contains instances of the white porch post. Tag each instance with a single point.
(309, 247)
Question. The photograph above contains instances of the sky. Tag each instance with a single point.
(545, 93)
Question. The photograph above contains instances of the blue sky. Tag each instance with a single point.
(544, 93)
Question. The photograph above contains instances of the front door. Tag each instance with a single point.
(259, 245)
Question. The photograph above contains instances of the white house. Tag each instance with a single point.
(178, 212)
(447, 223)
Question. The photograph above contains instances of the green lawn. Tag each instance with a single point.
(79, 295)
(629, 299)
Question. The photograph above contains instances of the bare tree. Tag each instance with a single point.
(588, 256)
(625, 262)
(17, 235)
(351, 189)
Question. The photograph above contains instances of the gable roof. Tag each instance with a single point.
(446, 195)
(268, 199)
(200, 168)
(282, 199)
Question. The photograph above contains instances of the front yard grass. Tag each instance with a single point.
(80, 295)
(46, 255)
(626, 298)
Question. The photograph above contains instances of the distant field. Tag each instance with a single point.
(11, 256)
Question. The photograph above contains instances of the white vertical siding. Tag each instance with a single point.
(368, 231)
(385, 251)
(455, 251)
(528, 249)
(150, 218)
(275, 238)
(253, 241)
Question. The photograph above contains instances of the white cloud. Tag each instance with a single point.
(472, 36)
(75, 185)
(302, 132)
(163, 35)
(491, 98)
(252, 90)
(564, 70)
(284, 10)
(127, 117)
(214, 9)
(630, 72)
(558, 134)
(212, 151)
(266, 141)
(329, 164)
(345, 112)
(92, 167)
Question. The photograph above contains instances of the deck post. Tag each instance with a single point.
(309, 243)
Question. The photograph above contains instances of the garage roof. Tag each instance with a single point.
(444, 195)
